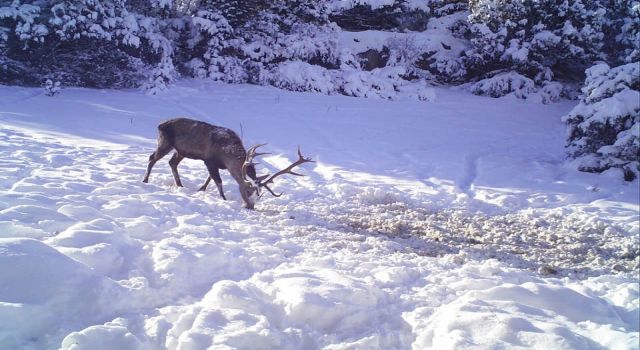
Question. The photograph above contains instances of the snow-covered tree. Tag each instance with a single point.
(541, 40)
(93, 43)
(623, 31)
(236, 12)
(76, 42)
(206, 36)
(394, 15)
(500, 47)
(603, 129)
(285, 30)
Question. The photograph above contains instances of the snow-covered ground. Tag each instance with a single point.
(448, 224)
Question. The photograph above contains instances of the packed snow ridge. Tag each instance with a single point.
(447, 224)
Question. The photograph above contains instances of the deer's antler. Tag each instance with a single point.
(251, 153)
(288, 170)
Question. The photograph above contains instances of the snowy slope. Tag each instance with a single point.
(447, 224)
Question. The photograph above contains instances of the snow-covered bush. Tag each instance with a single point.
(519, 86)
(51, 88)
(443, 58)
(444, 68)
(418, 91)
(440, 8)
(302, 76)
(603, 129)
(503, 84)
(552, 92)
(403, 50)
(312, 43)
(379, 83)
(161, 76)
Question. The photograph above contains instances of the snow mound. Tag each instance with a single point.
(99, 244)
(46, 292)
(530, 315)
(112, 335)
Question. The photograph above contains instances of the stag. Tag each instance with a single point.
(219, 148)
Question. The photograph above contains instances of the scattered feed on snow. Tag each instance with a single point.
(569, 244)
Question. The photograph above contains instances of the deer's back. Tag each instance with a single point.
(199, 140)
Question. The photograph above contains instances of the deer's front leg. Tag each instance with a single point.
(214, 173)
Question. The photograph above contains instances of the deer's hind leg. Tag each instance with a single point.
(162, 150)
(173, 163)
(206, 183)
